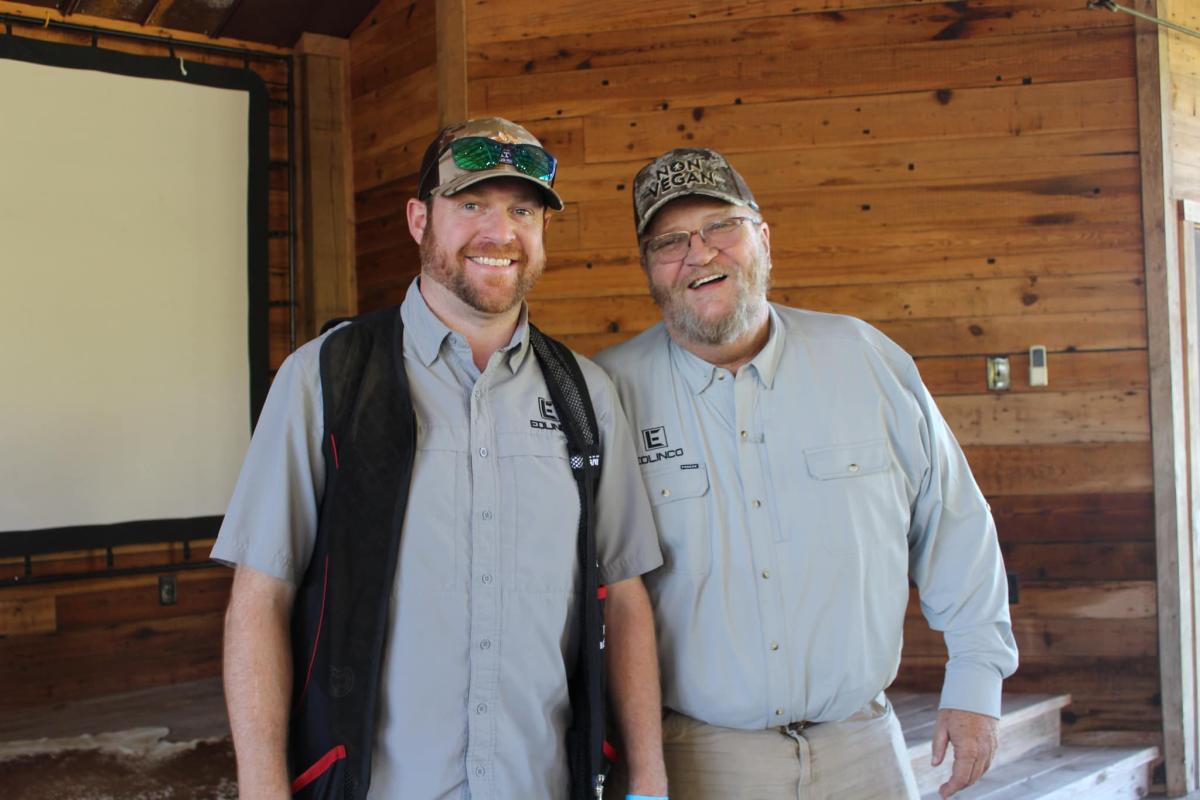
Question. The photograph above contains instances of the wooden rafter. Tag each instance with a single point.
(226, 17)
(150, 14)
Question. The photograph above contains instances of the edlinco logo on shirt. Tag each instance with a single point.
(656, 446)
(549, 420)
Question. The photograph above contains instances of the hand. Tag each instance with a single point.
(975, 739)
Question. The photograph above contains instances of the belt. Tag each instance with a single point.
(797, 727)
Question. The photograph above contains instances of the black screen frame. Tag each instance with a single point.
(17, 543)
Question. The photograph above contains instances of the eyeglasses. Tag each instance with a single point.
(720, 234)
(477, 153)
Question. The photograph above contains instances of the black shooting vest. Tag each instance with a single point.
(340, 620)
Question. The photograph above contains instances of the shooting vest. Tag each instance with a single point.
(340, 620)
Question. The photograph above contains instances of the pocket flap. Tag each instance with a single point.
(848, 460)
(676, 483)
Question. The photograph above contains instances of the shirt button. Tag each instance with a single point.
(766, 573)
(483, 452)
(481, 708)
(477, 394)
(485, 644)
(666, 492)
(774, 645)
(480, 772)
(721, 377)
(852, 468)
(745, 436)
(486, 578)
(487, 515)
(756, 503)
(779, 712)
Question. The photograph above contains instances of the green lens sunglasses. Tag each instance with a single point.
(477, 153)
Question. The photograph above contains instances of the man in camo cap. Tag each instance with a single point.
(799, 473)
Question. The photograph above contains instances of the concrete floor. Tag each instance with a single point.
(169, 742)
(188, 710)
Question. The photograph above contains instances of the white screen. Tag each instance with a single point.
(124, 368)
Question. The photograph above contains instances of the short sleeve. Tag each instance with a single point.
(627, 543)
(271, 523)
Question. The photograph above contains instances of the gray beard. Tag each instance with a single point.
(751, 301)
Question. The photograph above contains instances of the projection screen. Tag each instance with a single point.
(132, 307)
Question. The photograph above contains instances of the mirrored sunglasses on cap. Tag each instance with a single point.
(477, 153)
(464, 161)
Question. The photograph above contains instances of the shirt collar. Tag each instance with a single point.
(766, 363)
(699, 374)
(428, 333)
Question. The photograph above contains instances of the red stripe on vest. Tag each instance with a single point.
(602, 593)
(610, 752)
(337, 464)
(316, 641)
(318, 769)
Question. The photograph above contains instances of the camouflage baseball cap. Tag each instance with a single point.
(682, 172)
(465, 153)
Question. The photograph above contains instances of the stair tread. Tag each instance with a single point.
(1055, 769)
(918, 713)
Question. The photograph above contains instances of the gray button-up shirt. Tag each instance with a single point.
(793, 500)
(474, 702)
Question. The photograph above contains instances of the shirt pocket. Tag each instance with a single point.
(539, 510)
(848, 460)
(679, 501)
(435, 543)
(850, 495)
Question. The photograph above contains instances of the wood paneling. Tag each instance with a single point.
(1096, 640)
(889, 25)
(1169, 69)
(109, 659)
(966, 176)
(326, 161)
(395, 81)
(23, 616)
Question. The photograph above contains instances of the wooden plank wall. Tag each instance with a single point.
(394, 114)
(963, 175)
(1183, 58)
(72, 639)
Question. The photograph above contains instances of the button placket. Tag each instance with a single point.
(750, 448)
(483, 568)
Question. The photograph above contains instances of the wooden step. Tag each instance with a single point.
(1028, 722)
(1066, 773)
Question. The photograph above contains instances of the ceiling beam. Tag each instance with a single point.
(150, 14)
(228, 15)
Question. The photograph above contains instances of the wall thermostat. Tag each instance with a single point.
(1037, 366)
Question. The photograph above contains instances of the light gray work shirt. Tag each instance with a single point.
(474, 700)
(793, 500)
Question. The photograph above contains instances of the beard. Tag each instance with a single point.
(750, 301)
(489, 294)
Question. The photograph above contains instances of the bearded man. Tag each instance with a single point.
(425, 438)
(800, 474)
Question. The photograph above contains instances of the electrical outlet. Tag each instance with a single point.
(168, 590)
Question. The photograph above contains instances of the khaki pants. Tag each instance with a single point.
(861, 758)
